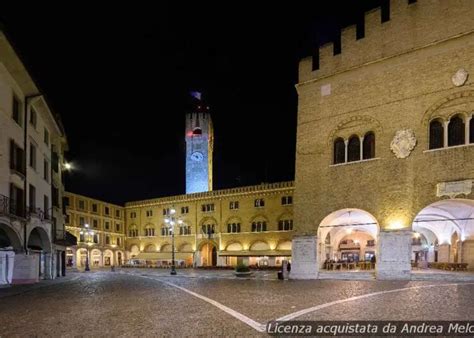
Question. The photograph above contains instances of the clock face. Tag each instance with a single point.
(197, 156)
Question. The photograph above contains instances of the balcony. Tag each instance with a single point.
(11, 208)
(62, 237)
(38, 213)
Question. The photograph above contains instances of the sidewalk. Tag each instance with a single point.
(16, 289)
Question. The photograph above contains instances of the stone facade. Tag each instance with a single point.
(397, 77)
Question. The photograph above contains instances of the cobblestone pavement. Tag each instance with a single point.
(208, 303)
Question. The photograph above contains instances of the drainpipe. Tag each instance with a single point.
(25, 186)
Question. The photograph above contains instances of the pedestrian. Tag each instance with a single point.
(288, 267)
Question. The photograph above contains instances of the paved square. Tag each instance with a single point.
(150, 302)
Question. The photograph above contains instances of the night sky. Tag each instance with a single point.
(120, 79)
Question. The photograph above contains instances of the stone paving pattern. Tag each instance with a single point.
(124, 303)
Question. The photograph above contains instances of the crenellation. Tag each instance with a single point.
(411, 26)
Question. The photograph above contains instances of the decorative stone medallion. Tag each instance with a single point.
(403, 143)
(460, 77)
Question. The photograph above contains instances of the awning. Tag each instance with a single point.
(154, 256)
(272, 253)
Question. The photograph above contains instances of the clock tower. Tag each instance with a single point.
(199, 148)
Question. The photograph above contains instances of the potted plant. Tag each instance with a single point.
(242, 270)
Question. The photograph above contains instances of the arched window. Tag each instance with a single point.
(353, 149)
(197, 131)
(369, 146)
(456, 131)
(339, 151)
(436, 135)
(471, 130)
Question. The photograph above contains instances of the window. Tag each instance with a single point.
(165, 231)
(471, 130)
(117, 213)
(207, 207)
(208, 229)
(82, 221)
(46, 170)
(285, 225)
(436, 134)
(55, 161)
(234, 205)
(150, 232)
(149, 213)
(81, 205)
(107, 239)
(46, 136)
(133, 233)
(65, 201)
(233, 227)
(339, 151)
(96, 238)
(81, 237)
(16, 110)
(33, 117)
(133, 214)
(94, 207)
(32, 156)
(185, 230)
(197, 132)
(95, 223)
(456, 131)
(259, 202)
(46, 207)
(55, 196)
(166, 211)
(117, 227)
(259, 226)
(32, 198)
(353, 149)
(107, 225)
(107, 210)
(184, 210)
(17, 156)
(368, 146)
(68, 219)
(287, 200)
(119, 241)
(16, 201)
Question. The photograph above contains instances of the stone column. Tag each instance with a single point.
(48, 265)
(304, 263)
(443, 253)
(445, 135)
(467, 129)
(361, 146)
(346, 143)
(468, 253)
(431, 254)
(393, 255)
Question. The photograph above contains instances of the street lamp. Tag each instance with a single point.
(172, 220)
(88, 234)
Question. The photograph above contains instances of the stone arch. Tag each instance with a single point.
(165, 247)
(359, 124)
(259, 217)
(284, 244)
(9, 237)
(458, 98)
(186, 247)
(234, 246)
(38, 239)
(150, 248)
(259, 245)
(206, 221)
(342, 225)
(108, 257)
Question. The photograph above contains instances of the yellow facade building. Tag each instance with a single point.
(100, 231)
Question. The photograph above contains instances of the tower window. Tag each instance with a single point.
(233, 205)
(258, 203)
(353, 149)
(197, 131)
(339, 151)
(436, 134)
(456, 131)
(287, 200)
(259, 226)
(369, 146)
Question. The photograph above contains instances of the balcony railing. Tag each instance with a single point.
(39, 213)
(11, 208)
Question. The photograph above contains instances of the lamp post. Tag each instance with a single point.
(88, 234)
(172, 220)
